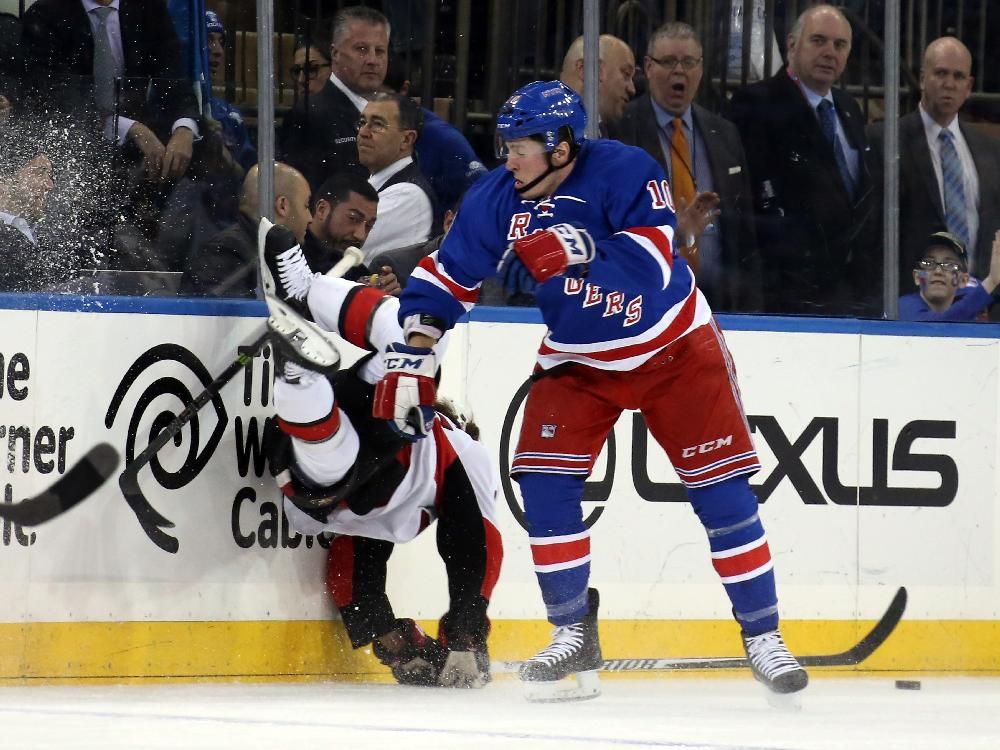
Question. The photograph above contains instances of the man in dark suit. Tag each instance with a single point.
(811, 173)
(925, 159)
(24, 267)
(701, 154)
(226, 266)
(74, 51)
(319, 136)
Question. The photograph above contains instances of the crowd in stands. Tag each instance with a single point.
(115, 159)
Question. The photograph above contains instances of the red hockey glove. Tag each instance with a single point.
(551, 252)
(405, 394)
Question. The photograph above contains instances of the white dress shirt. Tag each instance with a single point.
(19, 224)
(404, 213)
(356, 99)
(114, 29)
(970, 177)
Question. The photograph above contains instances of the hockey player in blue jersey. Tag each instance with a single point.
(593, 223)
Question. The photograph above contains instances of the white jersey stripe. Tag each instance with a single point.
(747, 576)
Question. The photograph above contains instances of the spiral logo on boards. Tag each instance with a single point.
(167, 390)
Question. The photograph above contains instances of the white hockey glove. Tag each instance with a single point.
(560, 250)
(462, 671)
(405, 395)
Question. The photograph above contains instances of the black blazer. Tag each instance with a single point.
(731, 180)
(819, 244)
(322, 140)
(58, 48)
(920, 210)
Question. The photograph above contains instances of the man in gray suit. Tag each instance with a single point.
(949, 172)
(703, 157)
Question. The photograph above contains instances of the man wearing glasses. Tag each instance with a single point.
(703, 158)
(946, 292)
(388, 130)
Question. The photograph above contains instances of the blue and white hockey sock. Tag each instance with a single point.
(740, 554)
(560, 543)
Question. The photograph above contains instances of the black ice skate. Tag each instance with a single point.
(575, 650)
(286, 279)
(774, 667)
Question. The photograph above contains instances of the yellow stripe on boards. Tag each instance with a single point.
(274, 650)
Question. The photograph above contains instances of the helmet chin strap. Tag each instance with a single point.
(573, 151)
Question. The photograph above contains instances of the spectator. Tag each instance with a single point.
(319, 135)
(23, 194)
(401, 261)
(68, 41)
(444, 155)
(933, 143)
(615, 71)
(946, 291)
(344, 212)
(206, 200)
(237, 147)
(702, 155)
(388, 130)
(810, 170)
(227, 265)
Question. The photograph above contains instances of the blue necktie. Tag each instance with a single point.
(828, 124)
(954, 188)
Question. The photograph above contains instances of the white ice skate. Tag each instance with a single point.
(776, 669)
(566, 670)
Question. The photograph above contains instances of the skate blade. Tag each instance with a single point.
(308, 340)
(579, 687)
(787, 702)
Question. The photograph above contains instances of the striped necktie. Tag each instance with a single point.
(105, 64)
(954, 187)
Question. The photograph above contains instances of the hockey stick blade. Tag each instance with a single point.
(849, 658)
(76, 485)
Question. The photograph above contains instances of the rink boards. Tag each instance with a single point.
(878, 443)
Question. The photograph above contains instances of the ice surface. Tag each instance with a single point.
(682, 713)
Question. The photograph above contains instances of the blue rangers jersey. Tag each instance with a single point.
(636, 297)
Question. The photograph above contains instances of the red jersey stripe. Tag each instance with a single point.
(552, 554)
(314, 432)
(742, 563)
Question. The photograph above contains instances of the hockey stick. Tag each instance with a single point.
(151, 520)
(849, 658)
(82, 480)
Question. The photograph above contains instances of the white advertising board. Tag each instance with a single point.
(912, 421)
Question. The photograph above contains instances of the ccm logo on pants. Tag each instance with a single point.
(707, 447)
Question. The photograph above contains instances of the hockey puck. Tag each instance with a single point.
(908, 684)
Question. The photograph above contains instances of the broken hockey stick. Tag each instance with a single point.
(151, 520)
(81, 481)
(849, 658)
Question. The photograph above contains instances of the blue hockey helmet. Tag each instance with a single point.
(550, 109)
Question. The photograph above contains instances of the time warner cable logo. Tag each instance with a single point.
(176, 362)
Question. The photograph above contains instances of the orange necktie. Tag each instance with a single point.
(682, 183)
(681, 179)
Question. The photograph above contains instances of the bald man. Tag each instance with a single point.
(932, 143)
(226, 266)
(615, 70)
(811, 176)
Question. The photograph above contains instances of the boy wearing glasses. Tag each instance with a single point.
(946, 292)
